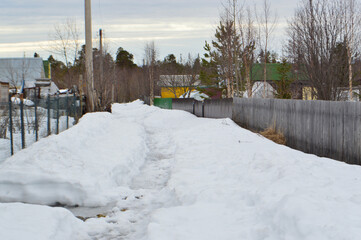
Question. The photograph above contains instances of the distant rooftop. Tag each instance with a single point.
(272, 73)
(14, 70)
(178, 80)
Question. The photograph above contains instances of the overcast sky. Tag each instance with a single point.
(176, 26)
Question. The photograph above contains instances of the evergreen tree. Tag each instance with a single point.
(124, 59)
(209, 73)
(284, 84)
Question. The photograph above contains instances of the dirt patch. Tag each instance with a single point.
(273, 135)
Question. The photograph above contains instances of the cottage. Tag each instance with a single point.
(299, 86)
(174, 86)
(22, 73)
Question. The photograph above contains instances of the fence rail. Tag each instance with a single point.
(325, 128)
(23, 121)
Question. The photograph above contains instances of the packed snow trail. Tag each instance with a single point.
(148, 190)
(153, 174)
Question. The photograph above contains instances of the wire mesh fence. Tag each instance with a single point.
(25, 121)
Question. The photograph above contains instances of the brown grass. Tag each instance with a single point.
(274, 135)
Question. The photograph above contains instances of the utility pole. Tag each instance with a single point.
(236, 50)
(89, 55)
(101, 56)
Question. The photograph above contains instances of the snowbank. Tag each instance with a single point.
(233, 184)
(175, 176)
(81, 166)
(32, 222)
(30, 137)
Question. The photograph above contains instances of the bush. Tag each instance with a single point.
(276, 136)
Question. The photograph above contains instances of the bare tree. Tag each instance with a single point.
(231, 11)
(351, 32)
(64, 41)
(248, 45)
(321, 36)
(150, 56)
(244, 40)
(267, 24)
(104, 77)
(17, 71)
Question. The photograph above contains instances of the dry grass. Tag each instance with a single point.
(274, 135)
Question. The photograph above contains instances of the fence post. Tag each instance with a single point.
(36, 117)
(57, 114)
(22, 122)
(194, 107)
(49, 126)
(202, 108)
(67, 110)
(75, 108)
(11, 126)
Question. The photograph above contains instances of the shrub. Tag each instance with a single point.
(276, 136)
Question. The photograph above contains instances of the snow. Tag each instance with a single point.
(197, 95)
(76, 167)
(63, 91)
(29, 122)
(166, 174)
(258, 90)
(26, 102)
(32, 222)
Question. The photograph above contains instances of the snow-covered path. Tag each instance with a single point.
(147, 192)
(143, 173)
(155, 172)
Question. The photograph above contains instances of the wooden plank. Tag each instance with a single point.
(292, 123)
(317, 129)
(326, 128)
(357, 134)
(348, 131)
(336, 116)
(304, 125)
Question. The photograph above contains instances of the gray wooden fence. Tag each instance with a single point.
(325, 128)
(217, 108)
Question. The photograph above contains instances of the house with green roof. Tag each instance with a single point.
(273, 75)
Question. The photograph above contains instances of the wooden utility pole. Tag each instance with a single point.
(101, 68)
(101, 54)
(89, 56)
(235, 48)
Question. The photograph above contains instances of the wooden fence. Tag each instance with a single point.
(217, 108)
(325, 128)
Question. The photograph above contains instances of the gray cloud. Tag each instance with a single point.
(183, 25)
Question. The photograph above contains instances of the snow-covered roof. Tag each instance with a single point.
(13, 70)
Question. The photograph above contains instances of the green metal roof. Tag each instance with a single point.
(272, 73)
(47, 69)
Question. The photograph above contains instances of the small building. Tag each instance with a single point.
(46, 86)
(298, 87)
(4, 92)
(23, 73)
(308, 93)
(174, 86)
